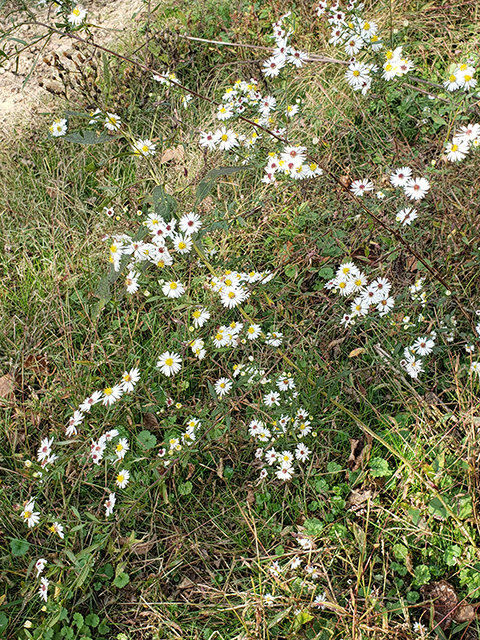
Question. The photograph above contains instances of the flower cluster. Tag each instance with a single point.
(176, 441)
(350, 280)
(107, 397)
(466, 137)
(283, 53)
(355, 34)
(461, 77)
(422, 346)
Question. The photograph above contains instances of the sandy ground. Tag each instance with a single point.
(112, 18)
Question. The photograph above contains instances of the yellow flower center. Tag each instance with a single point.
(145, 148)
(182, 245)
(467, 78)
(454, 147)
(218, 336)
(27, 515)
(119, 447)
(108, 391)
(452, 78)
(366, 26)
(356, 73)
(169, 362)
(76, 12)
(374, 39)
(120, 478)
(224, 137)
(389, 55)
(173, 285)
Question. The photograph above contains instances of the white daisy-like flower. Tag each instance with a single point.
(40, 565)
(190, 223)
(109, 504)
(173, 289)
(121, 448)
(169, 363)
(130, 379)
(112, 394)
(272, 398)
(122, 479)
(400, 176)
(416, 188)
(360, 187)
(406, 216)
(144, 148)
(29, 515)
(200, 317)
(58, 128)
(223, 386)
(58, 529)
(77, 16)
(43, 589)
(112, 122)
(274, 338)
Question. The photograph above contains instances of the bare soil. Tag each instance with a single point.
(113, 20)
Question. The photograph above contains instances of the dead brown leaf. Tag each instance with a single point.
(7, 386)
(356, 352)
(175, 153)
(150, 421)
(445, 604)
(37, 364)
(359, 497)
(357, 448)
(186, 583)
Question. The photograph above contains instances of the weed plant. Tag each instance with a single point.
(240, 329)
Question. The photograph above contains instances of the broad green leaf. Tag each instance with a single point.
(146, 439)
(206, 185)
(78, 620)
(88, 137)
(379, 468)
(92, 620)
(19, 547)
(164, 204)
(121, 580)
(185, 489)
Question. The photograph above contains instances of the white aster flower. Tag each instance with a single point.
(169, 363)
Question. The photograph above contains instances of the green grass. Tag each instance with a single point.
(197, 542)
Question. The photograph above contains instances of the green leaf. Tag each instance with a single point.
(436, 509)
(164, 204)
(92, 620)
(400, 551)
(333, 467)
(19, 547)
(206, 185)
(78, 620)
(302, 618)
(146, 439)
(87, 137)
(185, 489)
(326, 273)
(313, 527)
(438, 120)
(121, 580)
(3, 622)
(422, 575)
(451, 554)
(379, 468)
